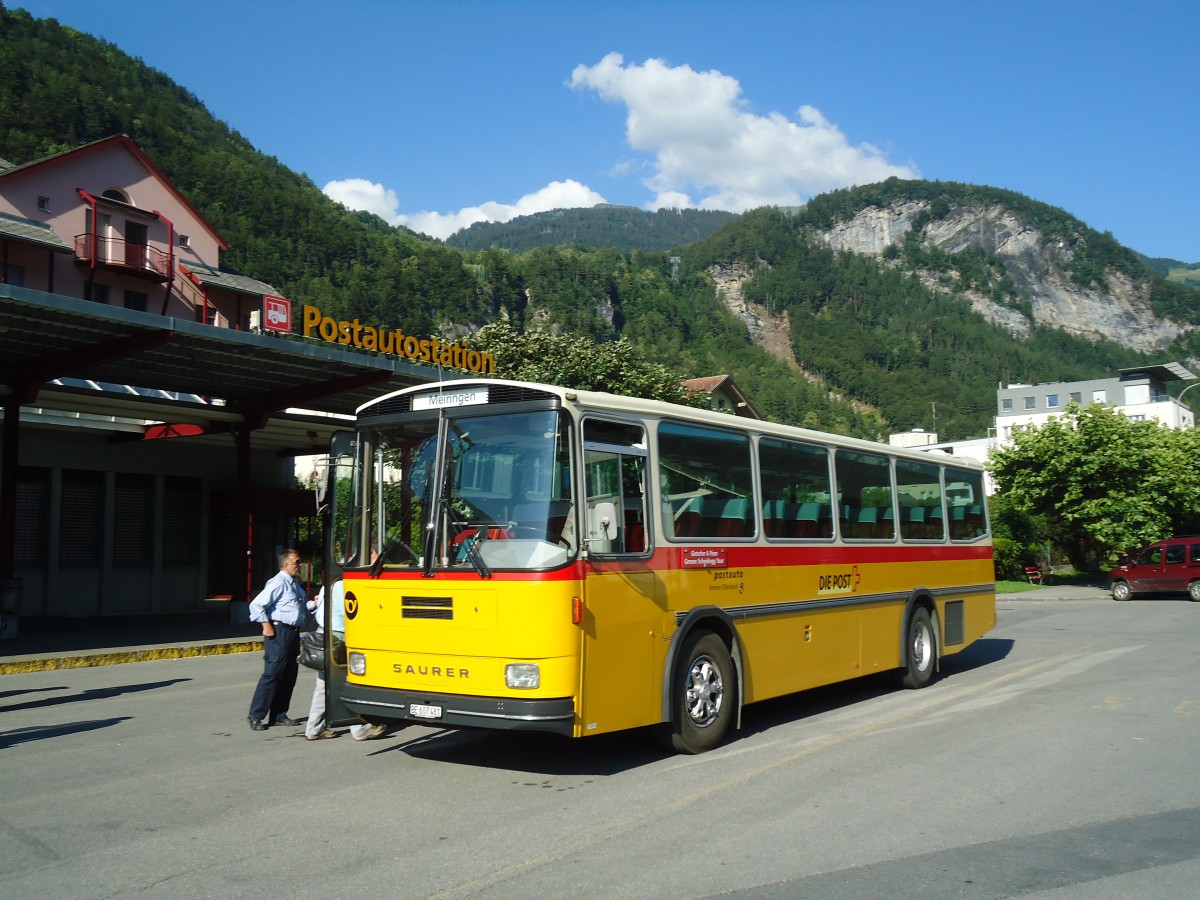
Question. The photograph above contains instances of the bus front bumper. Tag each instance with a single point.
(459, 711)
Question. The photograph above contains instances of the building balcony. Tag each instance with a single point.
(119, 255)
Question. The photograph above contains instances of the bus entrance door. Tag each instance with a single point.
(622, 615)
(620, 627)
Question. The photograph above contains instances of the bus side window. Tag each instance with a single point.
(615, 472)
(865, 482)
(707, 483)
(964, 497)
(919, 487)
(795, 489)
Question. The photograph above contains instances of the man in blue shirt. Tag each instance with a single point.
(280, 608)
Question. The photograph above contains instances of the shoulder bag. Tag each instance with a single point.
(312, 650)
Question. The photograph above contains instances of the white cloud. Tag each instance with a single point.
(358, 193)
(705, 143)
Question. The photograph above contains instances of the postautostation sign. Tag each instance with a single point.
(394, 342)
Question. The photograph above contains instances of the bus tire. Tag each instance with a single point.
(703, 694)
(921, 652)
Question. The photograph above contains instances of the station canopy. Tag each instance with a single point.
(65, 356)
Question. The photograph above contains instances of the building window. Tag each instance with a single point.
(1075, 397)
(136, 300)
(133, 521)
(184, 241)
(1031, 403)
(1006, 404)
(1099, 397)
(181, 521)
(33, 519)
(1052, 401)
(14, 275)
(97, 293)
(43, 204)
(1137, 418)
(81, 533)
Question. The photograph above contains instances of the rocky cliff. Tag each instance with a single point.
(1121, 313)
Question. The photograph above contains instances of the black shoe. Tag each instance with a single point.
(256, 724)
(284, 720)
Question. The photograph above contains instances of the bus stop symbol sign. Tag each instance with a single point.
(277, 314)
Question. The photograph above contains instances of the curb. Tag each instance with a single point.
(52, 662)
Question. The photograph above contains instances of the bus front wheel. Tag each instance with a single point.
(704, 693)
(922, 650)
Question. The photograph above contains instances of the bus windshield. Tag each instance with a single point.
(465, 492)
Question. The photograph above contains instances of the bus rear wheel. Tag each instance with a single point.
(922, 650)
(704, 693)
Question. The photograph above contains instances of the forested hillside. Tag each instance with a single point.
(866, 342)
(623, 228)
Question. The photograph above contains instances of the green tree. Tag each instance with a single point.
(1103, 484)
(616, 366)
(1018, 538)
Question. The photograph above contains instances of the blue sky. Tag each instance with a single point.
(437, 114)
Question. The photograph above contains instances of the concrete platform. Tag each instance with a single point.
(64, 643)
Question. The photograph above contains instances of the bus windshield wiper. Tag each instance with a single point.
(378, 564)
(475, 556)
(471, 544)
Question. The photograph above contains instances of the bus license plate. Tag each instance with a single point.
(421, 711)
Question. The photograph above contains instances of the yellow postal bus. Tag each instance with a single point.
(522, 556)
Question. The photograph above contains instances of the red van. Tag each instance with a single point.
(1171, 565)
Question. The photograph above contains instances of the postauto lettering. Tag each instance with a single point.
(395, 342)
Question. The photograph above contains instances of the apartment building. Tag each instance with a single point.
(1139, 393)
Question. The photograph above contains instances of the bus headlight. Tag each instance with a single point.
(357, 663)
(522, 675)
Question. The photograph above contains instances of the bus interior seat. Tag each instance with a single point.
(867, 522)
(803, 520)
(887, 523)
(776, 522)
(734, 518)
(687, 517)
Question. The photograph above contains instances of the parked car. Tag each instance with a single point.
(1171, 565)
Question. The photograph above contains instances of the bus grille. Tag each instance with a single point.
(427, 607)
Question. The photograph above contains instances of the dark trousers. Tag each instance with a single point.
(274, 691)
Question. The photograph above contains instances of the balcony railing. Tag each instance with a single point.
(117, 253)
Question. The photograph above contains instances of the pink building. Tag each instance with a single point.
(102, 223)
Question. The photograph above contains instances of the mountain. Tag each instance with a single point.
(869, 310)
(943, 290)
(623, 228)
